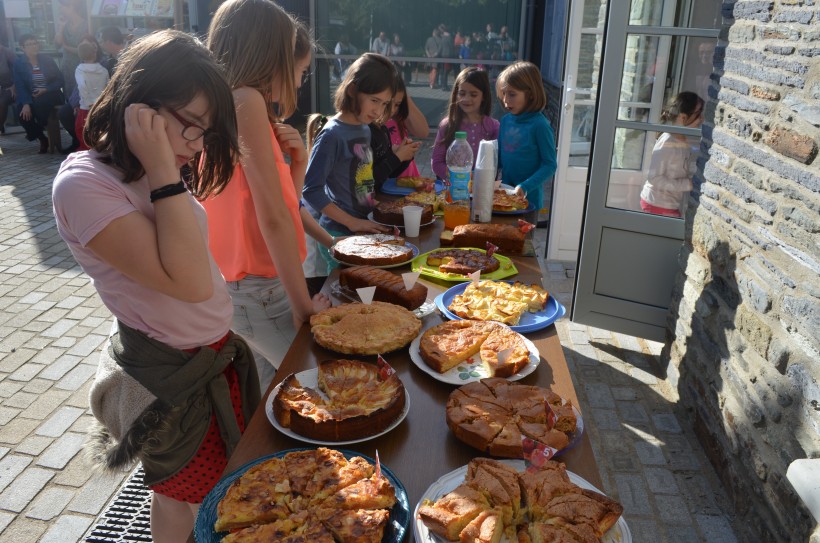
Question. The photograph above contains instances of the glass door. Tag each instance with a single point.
(656, 63)
(584, 44)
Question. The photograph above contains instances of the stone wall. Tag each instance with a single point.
(744, 346)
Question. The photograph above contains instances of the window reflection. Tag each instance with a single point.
(488, 34)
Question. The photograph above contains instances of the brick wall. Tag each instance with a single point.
(744, 347)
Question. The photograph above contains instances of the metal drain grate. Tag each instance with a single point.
(127, 517)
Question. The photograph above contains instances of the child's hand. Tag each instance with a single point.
(320, 302)
(147, 139)
(362, 226)
(519, 190)
(291, 142)
(407, 149)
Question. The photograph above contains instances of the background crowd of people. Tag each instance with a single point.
(36, 84)
(478, 45)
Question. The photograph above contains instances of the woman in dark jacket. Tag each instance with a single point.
(39, 84)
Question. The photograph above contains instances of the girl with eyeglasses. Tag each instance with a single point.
(673, 163)
(256, 232)
(174, 387)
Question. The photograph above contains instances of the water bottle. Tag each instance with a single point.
(459, 165)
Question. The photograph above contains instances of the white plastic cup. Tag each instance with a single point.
(412, 220)
(483, 186)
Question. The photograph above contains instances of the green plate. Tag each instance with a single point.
(419, 264)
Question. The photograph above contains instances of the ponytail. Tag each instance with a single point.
(315, 123)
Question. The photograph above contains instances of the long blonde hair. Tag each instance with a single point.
(254, 40)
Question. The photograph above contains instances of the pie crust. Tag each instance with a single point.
(509, 201)
(364, 329)
(324, 497)
(444, 346)
(359, 402)
(493, 414)
(538, 505)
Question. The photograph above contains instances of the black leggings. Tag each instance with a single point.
(41, 109)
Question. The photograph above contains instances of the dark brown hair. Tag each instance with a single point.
(685, 103)
(480, 80)
(371, 73)
(404, 110)
(167, 68)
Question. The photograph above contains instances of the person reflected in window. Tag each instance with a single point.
(673, 164)
(404, 67)
(71, 29)
(343, 47)
(38, 81)
(7, 92)
(381, 45)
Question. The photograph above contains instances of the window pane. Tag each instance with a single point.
(347, 28)
(681, 14)
(657, 68)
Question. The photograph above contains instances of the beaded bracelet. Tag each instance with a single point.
(168, 190)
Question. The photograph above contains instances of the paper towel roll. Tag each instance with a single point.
(483, 187)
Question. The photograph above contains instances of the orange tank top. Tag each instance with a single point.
(234, 236)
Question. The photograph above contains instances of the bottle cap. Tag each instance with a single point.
(461, 135)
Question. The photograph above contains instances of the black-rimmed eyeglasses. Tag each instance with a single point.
(190, 131)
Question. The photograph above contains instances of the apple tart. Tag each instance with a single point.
(364, 329)
(357, 402)
(315, 495)
(537, 505)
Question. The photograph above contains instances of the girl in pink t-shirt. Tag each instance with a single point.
(173, 380)
(407, 120)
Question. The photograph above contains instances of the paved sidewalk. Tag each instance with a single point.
(52, 324)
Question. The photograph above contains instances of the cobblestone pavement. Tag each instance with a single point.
(52, 324)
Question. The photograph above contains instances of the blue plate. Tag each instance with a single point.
(529, 209)
(204, 528)
(530, 322)
(390, 187)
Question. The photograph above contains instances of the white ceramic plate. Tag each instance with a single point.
(471, 369)
(310, 378)
(343, 292)
(400, 226)
(617, 534)
(405, 263)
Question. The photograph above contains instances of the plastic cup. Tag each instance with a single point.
(455, 214)
(412, 220)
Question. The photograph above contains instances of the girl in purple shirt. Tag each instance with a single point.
(469, 111)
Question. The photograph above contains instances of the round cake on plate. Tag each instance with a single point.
(358, 402)
(364, 329)
(493, 414)
(372, 250)
(392, 212)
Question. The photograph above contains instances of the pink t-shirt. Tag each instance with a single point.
(396, 139)
(88, 195)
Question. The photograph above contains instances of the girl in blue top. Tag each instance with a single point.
(339, 181)
(526, 144)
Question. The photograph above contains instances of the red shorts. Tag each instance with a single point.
(79, 122)
(655, 210)
(193, 482)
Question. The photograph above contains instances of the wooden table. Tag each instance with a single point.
(422, 448)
